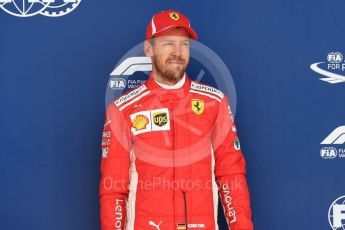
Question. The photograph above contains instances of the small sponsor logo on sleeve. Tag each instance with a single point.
(131, 95)
(237, 145)
(207, 89)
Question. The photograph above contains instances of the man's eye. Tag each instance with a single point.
(185, 44)
(168, 44)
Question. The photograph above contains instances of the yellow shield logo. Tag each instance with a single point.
(140, 122)
(198, 106)
(174, 16)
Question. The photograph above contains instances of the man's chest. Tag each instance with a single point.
(154, 117)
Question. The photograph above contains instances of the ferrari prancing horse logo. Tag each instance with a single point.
(174, 16)
(198, 106)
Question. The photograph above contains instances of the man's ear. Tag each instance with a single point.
(148, 49)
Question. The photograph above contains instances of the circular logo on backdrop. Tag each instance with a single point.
(333, 70)
(59, 8)
(336, 214)
(117, 83)
(334, 57)
(328, 153)
(29, 8)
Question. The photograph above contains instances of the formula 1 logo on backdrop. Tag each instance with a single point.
(127, 68)
(333, 70)
(337, 137)
(29, 8)
(336, 214)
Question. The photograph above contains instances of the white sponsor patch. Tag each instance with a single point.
(237, 145)
(150, 120)
(207, 89)
(183, 226)
(196, 225)
(105, 141)
(106, 134)
(160, 119)
(105, 152)
(131, 95)
(141, 122)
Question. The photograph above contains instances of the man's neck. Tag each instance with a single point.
(177, 85)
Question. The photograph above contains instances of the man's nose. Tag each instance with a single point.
(177, 50)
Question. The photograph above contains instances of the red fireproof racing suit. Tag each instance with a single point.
(166, 156)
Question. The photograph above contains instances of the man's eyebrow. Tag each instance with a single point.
(172, 40)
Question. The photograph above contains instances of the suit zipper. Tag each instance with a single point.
(174, 145)
(185, 209)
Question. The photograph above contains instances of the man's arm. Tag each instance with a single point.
(230, 170)
(115, 165)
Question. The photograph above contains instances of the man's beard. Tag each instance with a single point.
(173, 74)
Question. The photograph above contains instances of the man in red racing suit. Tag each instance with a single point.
(169, 150)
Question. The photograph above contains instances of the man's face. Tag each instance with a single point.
(170, 54)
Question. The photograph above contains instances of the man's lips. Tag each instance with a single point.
(176, 62)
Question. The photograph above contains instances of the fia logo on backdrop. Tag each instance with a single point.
(332, 71)
(331, 144)
(336, 214)
(29, 8)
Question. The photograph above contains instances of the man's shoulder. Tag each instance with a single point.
(131, 96)
(206, 90)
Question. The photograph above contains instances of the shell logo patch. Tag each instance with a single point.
(174, 16)
(198, 106)
(140, 122)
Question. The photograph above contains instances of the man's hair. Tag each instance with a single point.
(152, 41)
